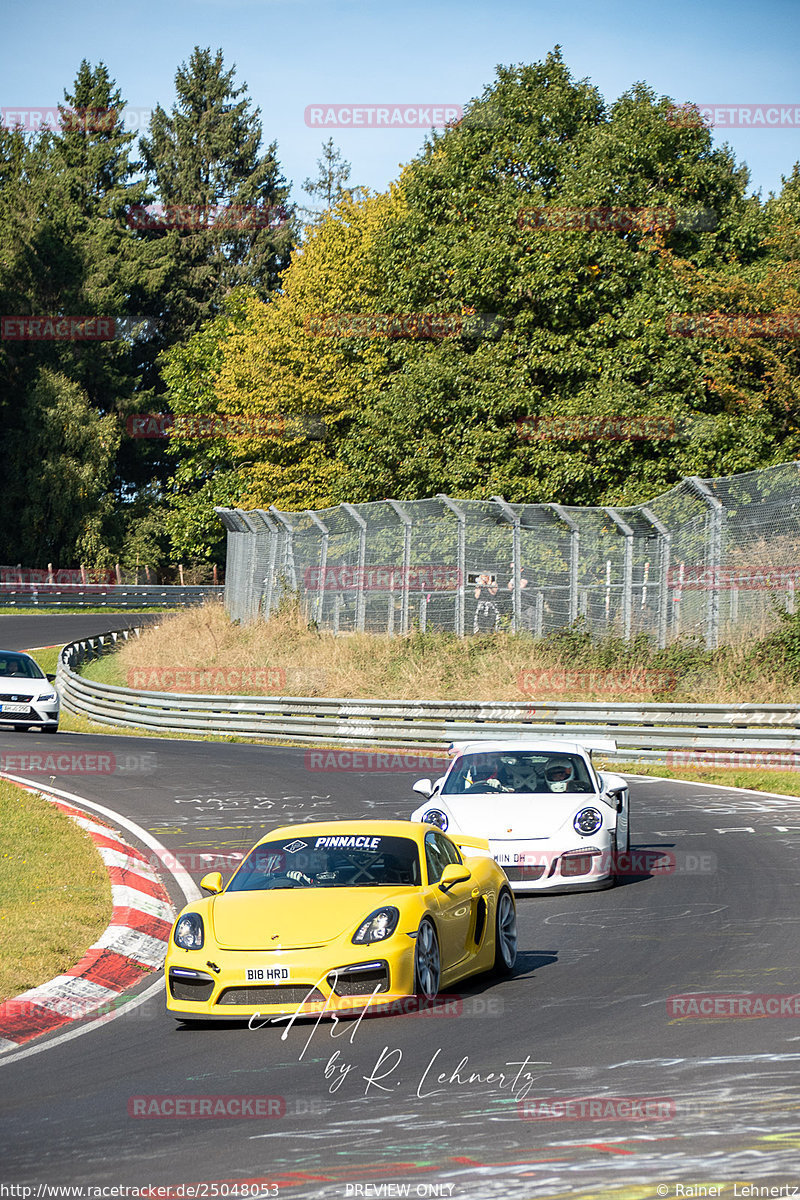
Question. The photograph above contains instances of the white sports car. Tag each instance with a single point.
(554, 823)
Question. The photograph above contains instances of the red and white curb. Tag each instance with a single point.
(134, 943)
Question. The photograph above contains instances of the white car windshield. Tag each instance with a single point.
(521, 772)
(13, 666)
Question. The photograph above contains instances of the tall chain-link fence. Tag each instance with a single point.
(710, 558)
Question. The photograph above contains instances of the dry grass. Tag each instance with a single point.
(55, 898)
(295, 660)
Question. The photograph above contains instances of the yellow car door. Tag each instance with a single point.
(456, 906)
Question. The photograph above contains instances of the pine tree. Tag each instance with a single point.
(333, 172)
(66, 249)
(205, 156)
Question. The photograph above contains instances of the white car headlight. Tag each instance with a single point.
(435, 816)
(47, 698)
(587, 821)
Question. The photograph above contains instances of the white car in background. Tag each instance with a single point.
(553, 822)
(27, 696)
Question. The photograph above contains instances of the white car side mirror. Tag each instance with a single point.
(424, 787)
(616, 795)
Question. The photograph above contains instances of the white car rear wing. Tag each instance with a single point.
(607, 744)
(591, 744)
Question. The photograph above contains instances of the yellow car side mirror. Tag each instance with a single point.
(452, 874)
(211, 882)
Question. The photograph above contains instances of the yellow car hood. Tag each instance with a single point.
(292, 918)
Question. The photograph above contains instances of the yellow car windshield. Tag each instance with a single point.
(329, 860)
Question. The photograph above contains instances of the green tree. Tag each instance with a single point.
(67, 249)
(583, 311)
(206, 154)
(296, 391)
(66, 455)
(752, 381)
(329, 187)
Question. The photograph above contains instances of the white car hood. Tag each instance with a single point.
(18, 685)
(503, 816)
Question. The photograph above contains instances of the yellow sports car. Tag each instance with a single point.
(341, 916)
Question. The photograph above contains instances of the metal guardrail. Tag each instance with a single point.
(644, 732)
(104, 595)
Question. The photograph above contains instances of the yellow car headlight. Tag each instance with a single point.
(378, 926)
(189, 933)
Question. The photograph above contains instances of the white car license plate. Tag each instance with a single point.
(267, 974)
(15, 708)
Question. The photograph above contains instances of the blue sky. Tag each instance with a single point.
(293, 53)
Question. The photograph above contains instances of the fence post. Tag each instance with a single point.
(287, 568)
(250, 604)
(664, 550)
(574, 552)
(362, 557)
(714, 525)
(232, 520)
(462, 558)
(400, 512)
(514, 518)
(268, 580)
(323, 561)
(627, 570)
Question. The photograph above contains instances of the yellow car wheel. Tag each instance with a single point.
(505, 934)
(427, 961)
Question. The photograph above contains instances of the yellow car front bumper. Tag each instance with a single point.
(237, 985)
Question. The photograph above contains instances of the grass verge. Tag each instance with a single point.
(200, 650)
(783, 783)
(47, 658)
(55, 898)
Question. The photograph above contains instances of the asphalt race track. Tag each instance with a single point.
(405, 1100)
(21, 632)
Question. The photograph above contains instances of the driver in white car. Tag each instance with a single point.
(559, 775)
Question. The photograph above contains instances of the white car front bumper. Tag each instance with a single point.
(540, 866)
